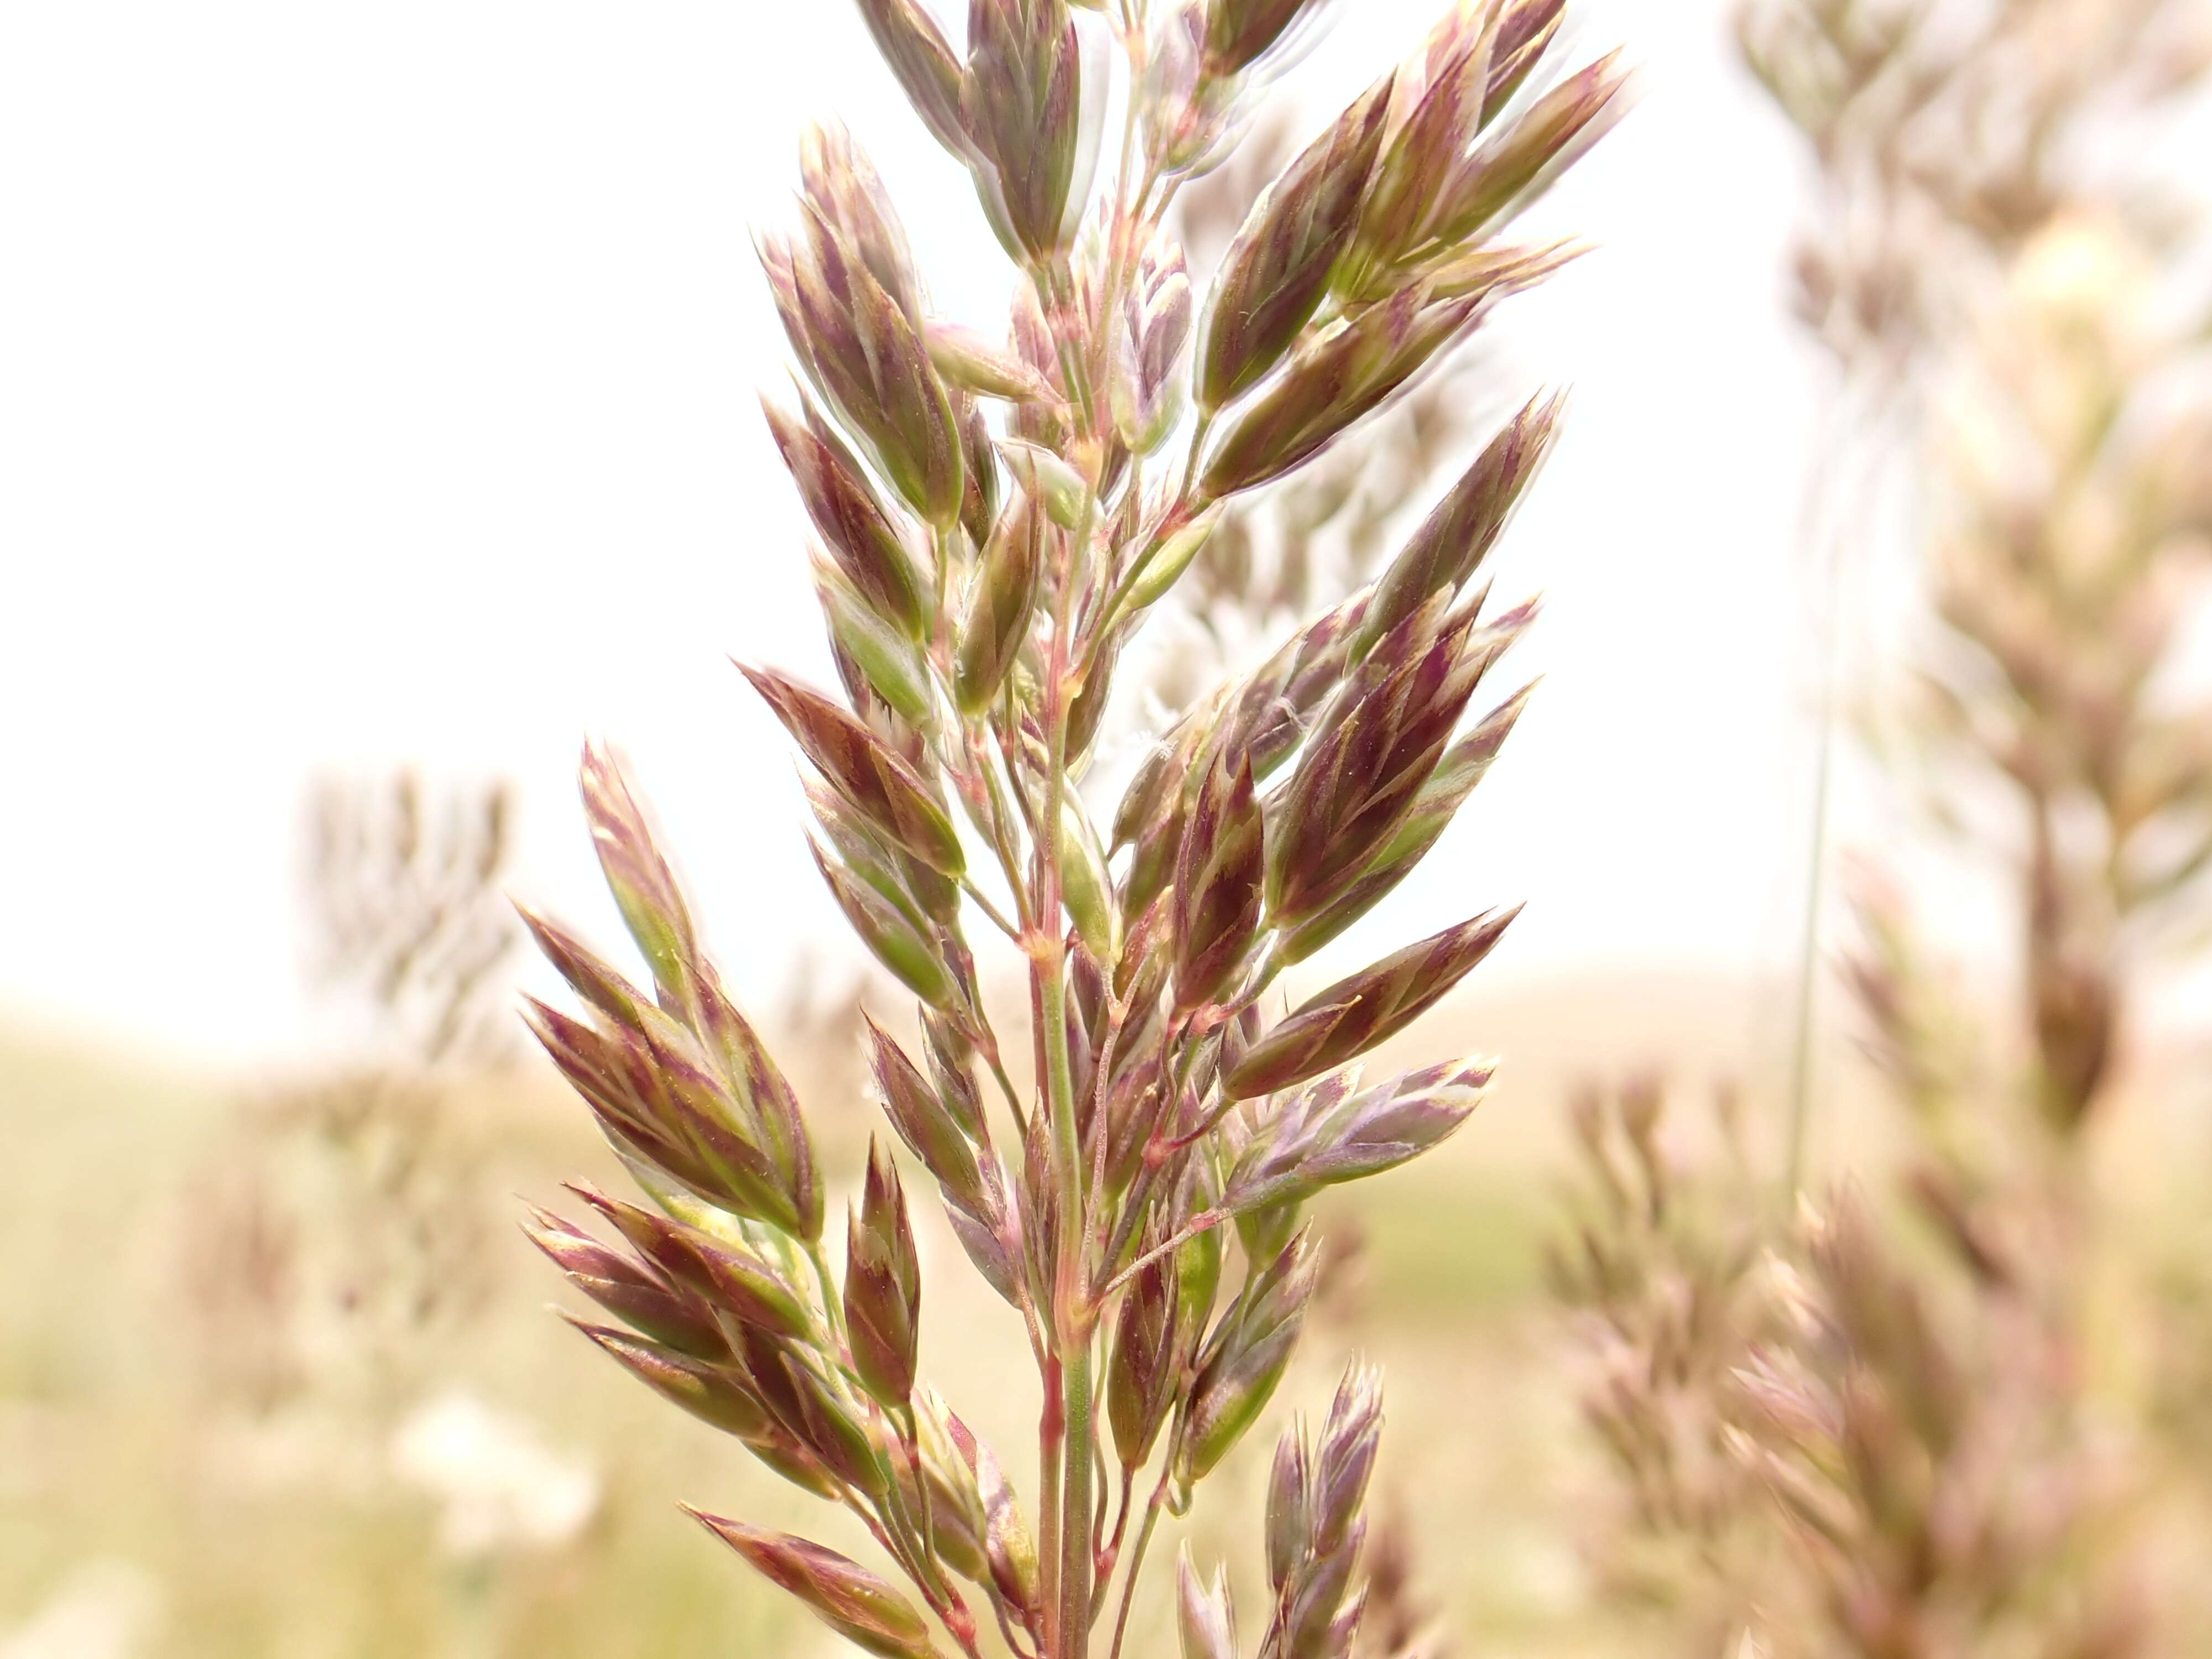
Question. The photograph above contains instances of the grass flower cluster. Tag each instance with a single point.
(997, 516)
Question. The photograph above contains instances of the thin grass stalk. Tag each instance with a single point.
(1836, 523)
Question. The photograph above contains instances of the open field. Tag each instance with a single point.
(145, 1498)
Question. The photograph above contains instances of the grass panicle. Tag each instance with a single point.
(998, 516)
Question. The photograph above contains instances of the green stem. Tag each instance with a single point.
(1137, 1559)
(1205, 1222)
(1071, 1314)
(1078, 1547)
(991, 911)
(1072, 1546)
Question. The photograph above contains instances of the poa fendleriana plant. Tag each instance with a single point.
(997, 518)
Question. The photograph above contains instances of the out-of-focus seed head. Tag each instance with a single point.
(844, 1595)
(1278, 270)
(883, 1284)
(1351, 1016)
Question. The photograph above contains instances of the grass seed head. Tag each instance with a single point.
(998, 515)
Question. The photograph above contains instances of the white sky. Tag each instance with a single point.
(377, 384)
